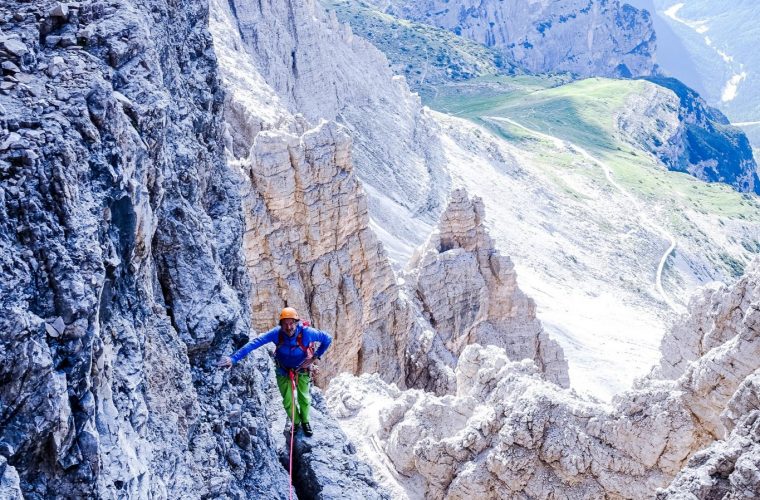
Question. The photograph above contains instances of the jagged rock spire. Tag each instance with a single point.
(468, 292)
(505, 432)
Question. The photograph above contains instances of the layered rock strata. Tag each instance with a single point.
(319, 69)
(468, 293)
(308, 240)
(124, 278)
(506, 433)
(588, 38)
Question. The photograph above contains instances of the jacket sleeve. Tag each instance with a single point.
(324, 339)
(270, 336)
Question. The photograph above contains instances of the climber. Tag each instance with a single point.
(294, 356)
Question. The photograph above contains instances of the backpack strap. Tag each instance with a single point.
(309, 350)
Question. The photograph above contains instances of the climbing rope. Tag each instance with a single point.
(292, 424)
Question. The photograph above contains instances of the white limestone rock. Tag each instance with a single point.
(308, 236)
(715, 314)
(9, 482)
(589, 38)
(468, 292)
(318, 68)
(506, 432)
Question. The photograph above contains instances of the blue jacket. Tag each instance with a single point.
(289, 354)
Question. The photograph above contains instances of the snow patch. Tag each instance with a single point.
(731, 89)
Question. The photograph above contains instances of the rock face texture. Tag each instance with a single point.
(506, 433)
(308, 236)
(588, 38)
(121, 256)
(729, 468)
(439, 56)
(716, 313)
(121, 240)
(674, 123)
(319, 69)
(308, 240)
(328, 461)
(468, 293)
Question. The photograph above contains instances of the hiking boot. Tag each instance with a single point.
(307, 429)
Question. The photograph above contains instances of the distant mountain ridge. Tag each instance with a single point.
(703, 143)
(706, 145)
(582, 37)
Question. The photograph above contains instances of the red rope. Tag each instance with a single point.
(292, 425)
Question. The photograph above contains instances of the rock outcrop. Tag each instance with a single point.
(308, 240)
(319, 69)
(468, 293)
(588, 38)
(675, 124)
(506, 433)
(326, 466)
(124, 277)
(728, 468)
(716, 313)
(308, 237)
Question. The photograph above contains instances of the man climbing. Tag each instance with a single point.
(294, 356)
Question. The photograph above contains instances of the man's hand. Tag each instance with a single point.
(224, 362)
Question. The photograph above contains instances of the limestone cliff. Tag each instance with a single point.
(585, 37)
(675, 124)
(727, 468)
(124, 276)
(308, 240)
(506, 433)
(319, 69)
(468, 293)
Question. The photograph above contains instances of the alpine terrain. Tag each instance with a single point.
(534, 251)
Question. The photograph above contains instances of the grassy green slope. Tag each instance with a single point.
(711, 219)
(425, 55)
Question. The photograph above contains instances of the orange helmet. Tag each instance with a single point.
(288, 313)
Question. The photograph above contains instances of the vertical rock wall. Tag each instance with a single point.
(468, 292)
(120, 240)
(308, 243)
(318, 68)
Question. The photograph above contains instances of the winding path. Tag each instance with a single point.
(645, 220)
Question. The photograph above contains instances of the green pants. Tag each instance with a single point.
(302, 391)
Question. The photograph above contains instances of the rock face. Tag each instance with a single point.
(727, 468)
(308, 240)
(689, 136)
(319, 69)
(506, 433)
(468, 293)
(124, 277)
(715, 315)
(308, 236)
(326, 466)
(588, 38)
